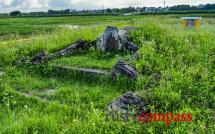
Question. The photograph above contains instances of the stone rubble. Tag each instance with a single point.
(122, 68)
(128, 103)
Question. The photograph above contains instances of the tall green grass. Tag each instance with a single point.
(184, 60)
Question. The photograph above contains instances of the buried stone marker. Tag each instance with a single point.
(114, 39)
(42, 56)
(71, 48)
(109, 40)
(128, 103)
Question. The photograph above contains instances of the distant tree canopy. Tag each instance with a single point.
(209, 7)
(67, 11)
(184, 8)
(35, 14)
(188, 7)
(181, 7)
(15, 13)
(128, 10)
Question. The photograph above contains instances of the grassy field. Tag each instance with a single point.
(13, 28)
(43, 100)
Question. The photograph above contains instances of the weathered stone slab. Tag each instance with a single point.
(85, 70)
(109, 40)
(42, 56)
(115, 39)
(70, 49)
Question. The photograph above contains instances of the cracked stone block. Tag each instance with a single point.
(116, 39)
(122, 68)
(128, 103)
(109, 40)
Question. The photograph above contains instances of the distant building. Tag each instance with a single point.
(150, 9)
(165, 9)
(154, 9)
(200, 6)
(138, 10)
(128, 14)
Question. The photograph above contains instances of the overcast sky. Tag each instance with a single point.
(44, 5)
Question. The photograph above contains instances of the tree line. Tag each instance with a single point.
(188, 7)
(112, 11)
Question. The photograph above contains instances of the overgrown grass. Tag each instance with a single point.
(184, 60)
(90, 59)
(15, 28)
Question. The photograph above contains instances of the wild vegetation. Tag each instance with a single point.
(38, 99)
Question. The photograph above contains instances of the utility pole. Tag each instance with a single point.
(164, 3)
(103, 8)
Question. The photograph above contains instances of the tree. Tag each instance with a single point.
(209, 7)
(109, 10)
(67, 11)
(15, 13)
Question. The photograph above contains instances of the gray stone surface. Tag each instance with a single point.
(109, 40)
(129, 46)
(70, 49)
(85, 70)
(124, 34)
(42, 56)
(39, 57)
(128, 103)
(115, 39)
(122, 68)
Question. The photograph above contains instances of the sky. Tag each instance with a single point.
(44, 5)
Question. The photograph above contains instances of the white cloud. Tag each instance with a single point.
(5, 2)
(120, 3)
(24, 3)
(34, 5)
